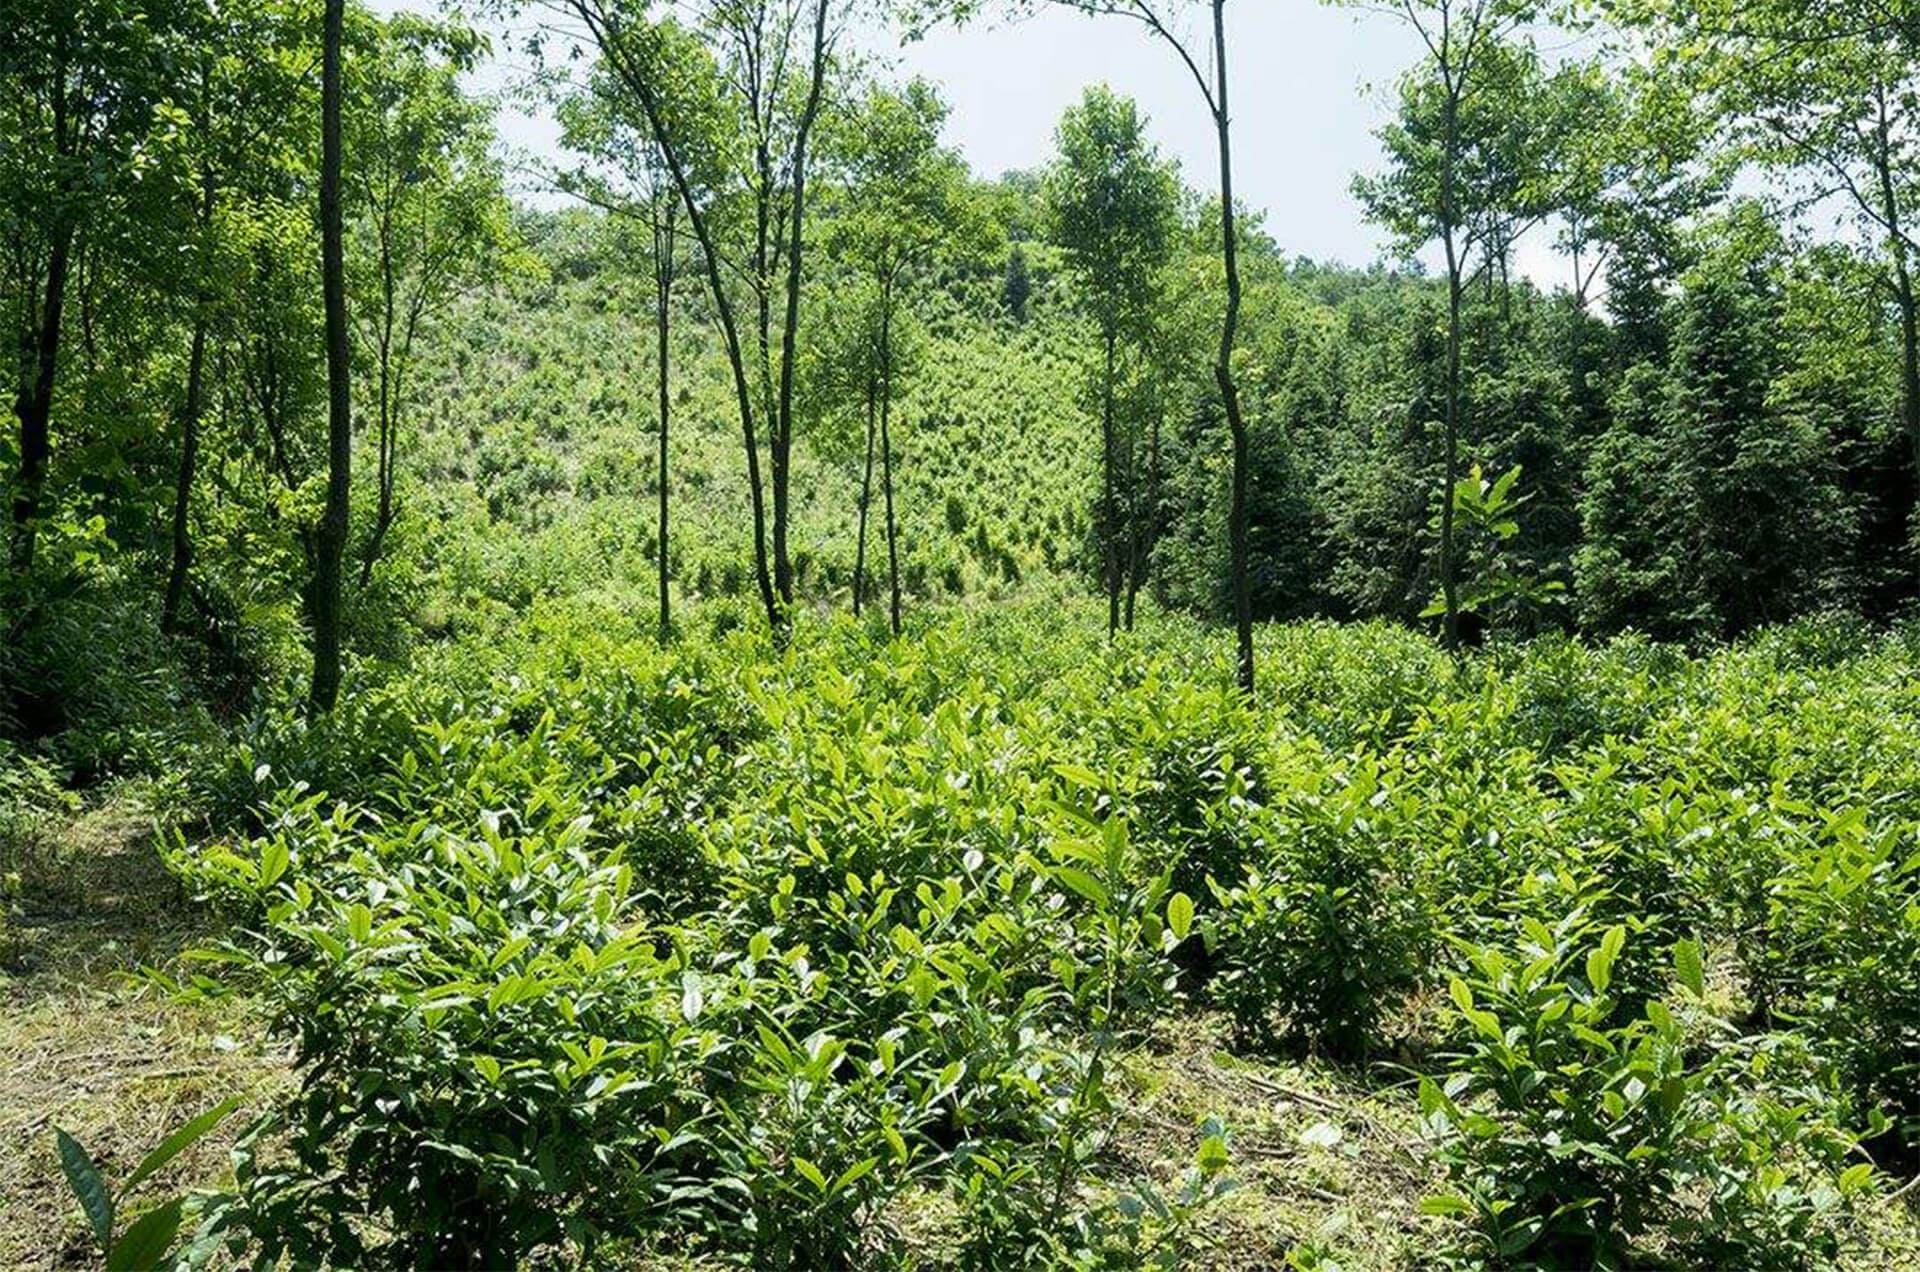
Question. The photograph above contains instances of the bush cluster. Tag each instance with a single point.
(776, 952)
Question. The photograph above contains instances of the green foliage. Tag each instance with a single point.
(1328, 932)
(587, 943)
(148, 1241)
(1487, 513)
(582, 939)
(1838, 950)
(1571, 1130)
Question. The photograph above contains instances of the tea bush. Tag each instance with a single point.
(1329, 932)
(581, 939)
(1571, 1131)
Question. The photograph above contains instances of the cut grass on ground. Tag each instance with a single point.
(85, 1045)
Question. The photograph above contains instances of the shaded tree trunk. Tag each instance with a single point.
(612, 40)
(663, 300)
(189, 432)
(34, 406)
(866, 501)
(886, 451)
(1109, 503)
(1449, 207)
(781, 442)
(886, 485)
(387, 402)
(331, 541)
(1449, 588)
(1892, 215)
(183, 484)
(40, 352)
(1144, 528)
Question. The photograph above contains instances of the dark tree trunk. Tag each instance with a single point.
(35, 404)
(782, 441)
(40, 352)
(1223, 367)
(866, 501)
(331, 541)
(183, 484)
(1449, 587)
(1449, 207)
(1109, 504)
(388, 404)
(1910, 360)
(663, 303)
(886, 485)
(612, 40)
(1892, 214)
(1144, 527)
(886, 449)
(189, 433)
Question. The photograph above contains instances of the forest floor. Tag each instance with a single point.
(1329, 1166)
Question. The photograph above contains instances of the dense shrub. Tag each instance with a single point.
(580, 938)
(1327, 933)
(1574, 1134)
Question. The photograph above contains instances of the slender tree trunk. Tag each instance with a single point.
(1449, 587)
(40, 357)
(388, 404)
(1223, 367)
(1109, 503)
(331, 541)
(886, 446)
(663, 299)
(886, 485)
(1910, 360)
(782, 442)
(866, 500)
(1144, 527)
(183, 484)
(1903, 285)
(611, 38)
(35, 403)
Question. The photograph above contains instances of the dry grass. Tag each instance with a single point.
(1324, 1166)
(88, 1047)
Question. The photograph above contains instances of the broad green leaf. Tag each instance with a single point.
(813, 1173)
(1445, 1204)
(144, 1245)
(87, 1186)
(1179, 915)
(273, 861)
(1686, 956)
(855, 1173)
(173, 1145)
(1082, 882)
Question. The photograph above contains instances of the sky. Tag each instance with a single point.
(1310, 85)
(1308, 89)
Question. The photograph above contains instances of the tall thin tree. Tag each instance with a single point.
(1156, 16)
(331, 542)
(665, 214)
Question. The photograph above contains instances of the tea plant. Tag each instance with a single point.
(149, 1241)
(601, 943)
(1327, 933)
(1572, 1133)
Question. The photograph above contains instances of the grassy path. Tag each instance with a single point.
(87, 1046)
